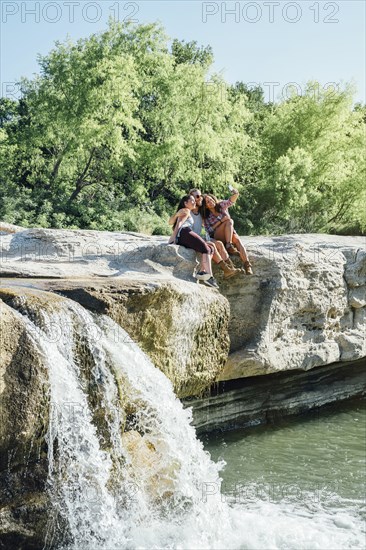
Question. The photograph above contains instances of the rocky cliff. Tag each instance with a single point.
(304, 307)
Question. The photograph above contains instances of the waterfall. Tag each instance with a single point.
(79, 469)
(125, 467)
(110, 498)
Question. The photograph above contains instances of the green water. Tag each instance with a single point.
(311, 460)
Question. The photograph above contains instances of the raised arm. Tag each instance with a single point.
(234, 196)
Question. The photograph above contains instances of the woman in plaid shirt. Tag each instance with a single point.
(220, 226)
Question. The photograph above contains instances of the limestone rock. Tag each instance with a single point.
(357, 297)
(265, 399)
(181, 326)
(24, 420)
(304, 306)
(148, 468)
(10, 228)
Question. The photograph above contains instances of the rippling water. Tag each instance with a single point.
(317, 460)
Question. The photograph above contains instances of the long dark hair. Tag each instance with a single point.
(205, 212)
(182, 201)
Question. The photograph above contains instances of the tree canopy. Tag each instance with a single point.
(117, 126)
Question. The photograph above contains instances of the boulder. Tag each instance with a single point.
(180, 325)
(303, 308)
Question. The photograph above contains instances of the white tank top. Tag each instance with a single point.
(187, 223)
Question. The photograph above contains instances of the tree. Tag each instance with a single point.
(313, 164)
(118, 126)
(115, 120)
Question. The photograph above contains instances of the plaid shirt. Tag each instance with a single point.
(212, 218)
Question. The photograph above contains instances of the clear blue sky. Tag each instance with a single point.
(271, 43)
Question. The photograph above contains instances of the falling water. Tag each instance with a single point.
(125, 467)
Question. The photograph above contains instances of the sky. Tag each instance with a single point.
(279, 45)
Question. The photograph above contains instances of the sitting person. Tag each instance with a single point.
(220, 226)
(184, 235)
(220, 255)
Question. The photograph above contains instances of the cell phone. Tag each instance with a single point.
(231, 188)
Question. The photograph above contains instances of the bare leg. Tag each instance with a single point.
(220, 258)
(225, 231)
(206, 263)
(221, 250)
(243, 255)
(239, 245)
(216, 256)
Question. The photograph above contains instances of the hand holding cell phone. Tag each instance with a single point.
(232, 190)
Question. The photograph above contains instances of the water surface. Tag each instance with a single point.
(315, 460)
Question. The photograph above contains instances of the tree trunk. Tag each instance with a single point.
(80, 183)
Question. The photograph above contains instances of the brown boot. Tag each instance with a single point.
(248, 267)
(229, 262)
(228, 271)
(231, 249)
(238, 270)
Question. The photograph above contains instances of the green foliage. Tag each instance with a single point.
(310, 165)
(191, 53)
(118, 126)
